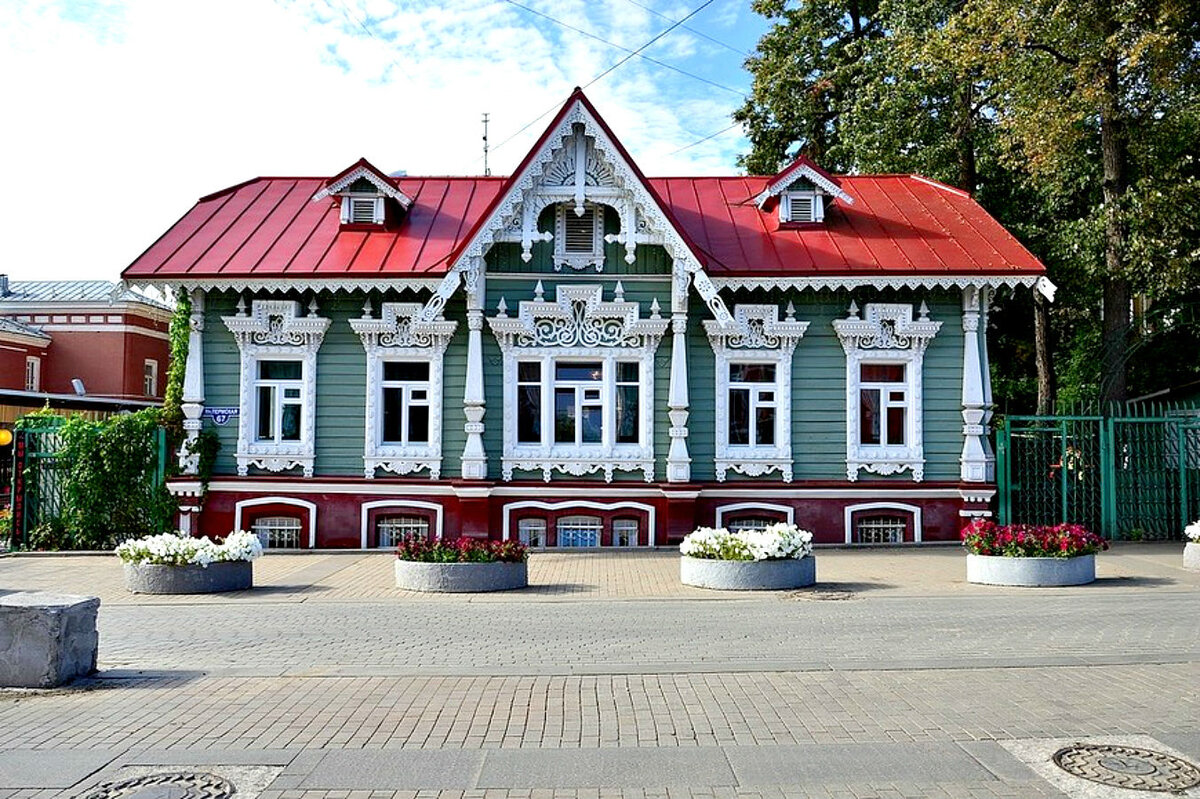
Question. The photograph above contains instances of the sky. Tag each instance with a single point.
(120, 114)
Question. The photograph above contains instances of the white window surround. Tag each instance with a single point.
(757, 336)
(399, 336)
(508, 530)
(399, 505)
(816, 202)
(354, 204)
(275, 330)
(850, 510)
(579, 326)
(593, 213)
(887, 335)
(311, 507)
(33, 373)
(150, 377)
(788, 511)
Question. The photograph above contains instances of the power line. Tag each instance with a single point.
(702, 34)
(608, 71)
(706, 138)
(638, 53)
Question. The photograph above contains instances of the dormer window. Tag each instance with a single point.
(362, 204)
(579, 238)
(801, 206)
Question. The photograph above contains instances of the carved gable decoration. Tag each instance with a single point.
(277, 323)
(887, 326)
(399, 327)
(757, 327)
(579, 317)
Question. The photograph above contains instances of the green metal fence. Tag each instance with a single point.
(1131, 473)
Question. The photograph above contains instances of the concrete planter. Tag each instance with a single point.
(999, 570)
(460, 577)
(748, 575)
(1191, 556)
(154, 578)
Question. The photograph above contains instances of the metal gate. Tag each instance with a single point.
(1132, 474)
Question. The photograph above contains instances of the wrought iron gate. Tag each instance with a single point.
(1131, 474)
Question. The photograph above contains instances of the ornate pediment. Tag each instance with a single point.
(277, 323)
(578, 317)
(757, 327)
(400, 327)
(887, 326)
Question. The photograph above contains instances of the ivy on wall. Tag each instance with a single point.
(179, 332)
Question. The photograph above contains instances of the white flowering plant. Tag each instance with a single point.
(1192, 532)
(777, 542)
(181, 549)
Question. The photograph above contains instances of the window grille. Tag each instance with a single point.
(750, 523)
(800, 208)
(362, 210)
(532, 532)
(880, 530)
(579, 231)
(392, 529)
(579, 531)
(625, 532)
(277, 532)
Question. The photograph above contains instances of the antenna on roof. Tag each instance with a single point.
(486, 171)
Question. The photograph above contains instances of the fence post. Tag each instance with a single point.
(1108, 478)
(1003, 472)
(18, 489)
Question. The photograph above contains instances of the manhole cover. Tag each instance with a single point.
(1128, 767)
(176, 785)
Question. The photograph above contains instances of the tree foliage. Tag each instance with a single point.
(1075, 124)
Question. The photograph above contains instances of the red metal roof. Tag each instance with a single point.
(898, 225)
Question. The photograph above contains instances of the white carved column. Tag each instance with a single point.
(985, 301)
(193, 386)
(679, 463)
(974, 459)
(474, 458)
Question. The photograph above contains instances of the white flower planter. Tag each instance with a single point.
(1191, 556)
(999, 570)
(748, 575)
(460, 577)
(155, 578)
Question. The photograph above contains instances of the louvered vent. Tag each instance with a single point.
(800, 208)
(580, 231)
(362, 210)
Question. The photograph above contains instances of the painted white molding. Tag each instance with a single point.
(192, 403)
(579, 325)
(679, 462)
(132, 330)
(474, 457)
(756, 336)
(802, 171)
(382, 186)
(888, 335)
(311, 507)
(509, 507)
(876, 281)
(579, 151)
(285, 284)
(974, 461)
(399, 336)
(398, 504)
(989, 406)
(724, 510)
(275, 329)
(915, 510)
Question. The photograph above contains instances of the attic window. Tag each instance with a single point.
(358, 210)
(801, 206)
(579, 238)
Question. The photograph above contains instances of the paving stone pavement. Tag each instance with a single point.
(892, 679)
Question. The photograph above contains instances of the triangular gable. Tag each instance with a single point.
(802, 167)
(363, 169)
(549, 174)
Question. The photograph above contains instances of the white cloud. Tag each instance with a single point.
(124, 113)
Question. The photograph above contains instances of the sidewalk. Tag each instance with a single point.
(607, 680)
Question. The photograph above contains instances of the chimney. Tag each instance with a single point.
(3, 285)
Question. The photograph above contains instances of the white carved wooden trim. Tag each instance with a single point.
(888, 335)
(398, 336)
(879, 282)
(275, 328)
(314, 284)
(579, 261)
(805, 172)
(192, 404)
(343, 185)
(579, 325)
(756, 336)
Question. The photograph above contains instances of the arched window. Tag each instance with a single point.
(390, 530)
(750, 523)
(277, 532)
(579, 531)
(882, 528)
(625, 532)
(532, 532)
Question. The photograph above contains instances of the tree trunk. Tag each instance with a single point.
(964, 139)
(1117, 294)
(1047, 395)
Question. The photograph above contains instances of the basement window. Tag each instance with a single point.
(277, 532)
(884, 529)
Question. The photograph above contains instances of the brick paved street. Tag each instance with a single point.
(608, 680)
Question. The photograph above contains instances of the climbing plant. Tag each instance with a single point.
(179, 331)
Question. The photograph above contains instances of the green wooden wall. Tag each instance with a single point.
(818, 376)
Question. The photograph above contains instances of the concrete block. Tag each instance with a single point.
(748, 575)
(156, 578)
(46, 639)
(460, 577)
(1031, 572)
